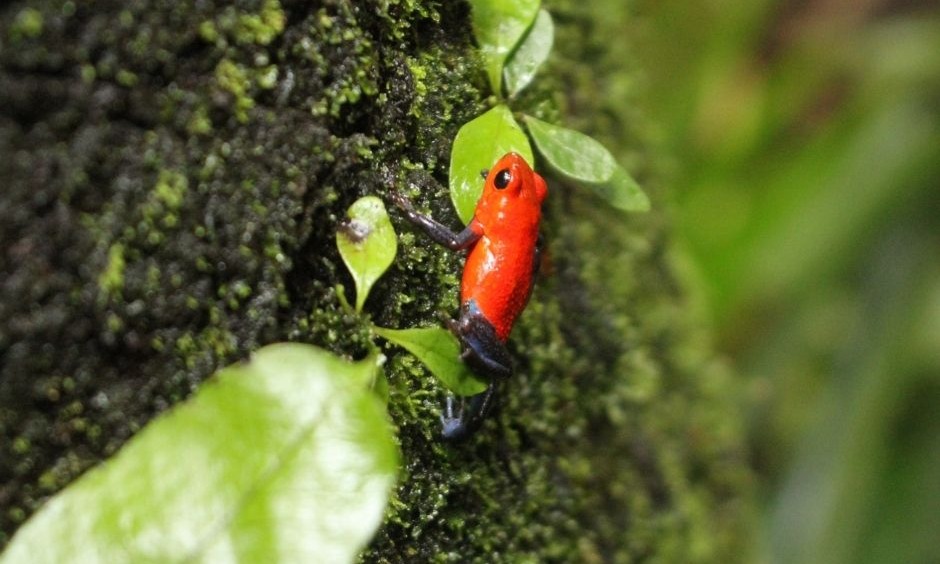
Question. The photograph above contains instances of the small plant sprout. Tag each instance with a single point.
(367, 243)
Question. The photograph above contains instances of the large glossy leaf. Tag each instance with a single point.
(286, 459)
(498, 26)
(575, 156)
(367, 243)
(530, 54)
(478, 145)
(439, 350)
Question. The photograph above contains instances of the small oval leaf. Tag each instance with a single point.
(498, 25)
(530, 54)
(570, 153)
(287, 457)
(367, 243)
(439, 350)
(479, 144)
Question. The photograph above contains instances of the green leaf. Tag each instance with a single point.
(367, 243)
(570, 153)
(575, 156)
(439, 350)
(622, 192)
(478, 145)
(498, 25)
(287, 457)
(530, 54)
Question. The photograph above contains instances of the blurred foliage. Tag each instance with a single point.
(805, 143)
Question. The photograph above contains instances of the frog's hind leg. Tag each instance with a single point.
(483, 351)
(486, 354)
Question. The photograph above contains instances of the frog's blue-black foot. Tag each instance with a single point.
(470, 415)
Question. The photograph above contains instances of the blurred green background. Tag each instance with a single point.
(804, 143)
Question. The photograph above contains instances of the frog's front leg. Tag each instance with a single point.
(440, 233)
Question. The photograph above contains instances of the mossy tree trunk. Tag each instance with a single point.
(173, 174)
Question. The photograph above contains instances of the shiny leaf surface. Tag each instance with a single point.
(439, 350)
(577, 157)
(525, 61)
(570, 153)
(286, 458)
(498, 26)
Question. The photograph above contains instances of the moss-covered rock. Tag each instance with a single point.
(174, 175)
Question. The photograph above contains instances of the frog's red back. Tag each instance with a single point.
(500, 267)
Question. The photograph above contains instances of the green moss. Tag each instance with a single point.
(185, 348)
(233, 79)
(267, 77)
(48, 481)
(28, 24)
(126, 78)
(88, 73)
(114, 323)
(170, 189)
(111, 279)
(208, 32)
(340, 30)
(21, 445)
(263, 27)
(245, 28)
(221, 342)
(419, 71)
(16, 514)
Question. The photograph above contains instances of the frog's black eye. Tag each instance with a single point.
(484, 173)
(502, 179)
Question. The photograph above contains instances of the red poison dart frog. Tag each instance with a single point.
(503, 247)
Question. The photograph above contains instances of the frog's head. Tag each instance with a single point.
(512, 178)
